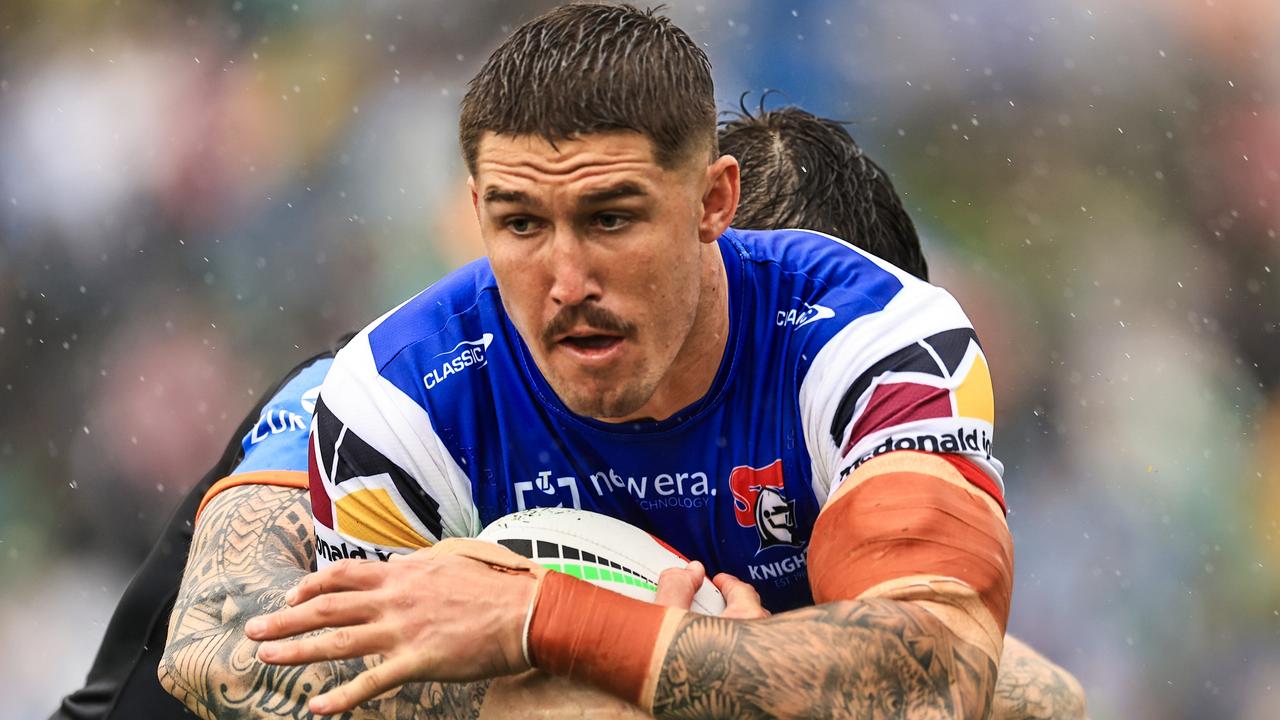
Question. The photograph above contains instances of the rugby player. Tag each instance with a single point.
(768, 144)
(619, 330)
(772, 145)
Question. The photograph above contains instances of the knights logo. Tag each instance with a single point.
(759, 501)
(775, 518)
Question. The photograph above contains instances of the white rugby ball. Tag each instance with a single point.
(602, 550)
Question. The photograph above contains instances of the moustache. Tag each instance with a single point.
(591, 315)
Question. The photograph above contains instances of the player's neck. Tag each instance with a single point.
(696, 365)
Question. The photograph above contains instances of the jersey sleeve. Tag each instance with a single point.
(381, 481)
(274, 450)
(912, 376)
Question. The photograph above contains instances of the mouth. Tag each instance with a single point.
(591, 346)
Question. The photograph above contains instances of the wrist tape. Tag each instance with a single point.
(599, 637)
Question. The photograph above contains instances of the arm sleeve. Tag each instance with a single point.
(381, 482)
(912, 376)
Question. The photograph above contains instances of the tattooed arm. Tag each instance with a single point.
(251, 545)
(912, 567)
(849, 659)
(878, 635)
(1030, 687)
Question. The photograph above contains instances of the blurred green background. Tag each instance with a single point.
(195, 196)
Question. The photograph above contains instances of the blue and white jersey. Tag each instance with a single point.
(434, 421)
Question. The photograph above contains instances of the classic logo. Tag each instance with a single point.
(468, 353)
(800, 318)
(759, 502)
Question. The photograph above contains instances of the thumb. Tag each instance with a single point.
(741, 601)
(677, 586)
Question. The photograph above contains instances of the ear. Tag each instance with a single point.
(720, 201)
(475, 197)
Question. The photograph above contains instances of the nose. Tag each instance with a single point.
(573, 278)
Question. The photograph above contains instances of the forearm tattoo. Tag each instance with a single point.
(253, 544)
(1032, 688)
(853, 659)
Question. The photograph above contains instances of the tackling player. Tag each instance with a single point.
(619, 331)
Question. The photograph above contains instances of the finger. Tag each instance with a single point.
(367, 685)
(339, 644)
(741, 601)
(677, 586)
(342, 575)
(327, 611)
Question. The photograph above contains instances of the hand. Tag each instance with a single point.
(677, 586)
(435, 615)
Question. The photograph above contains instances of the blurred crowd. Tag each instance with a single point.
(195, 196)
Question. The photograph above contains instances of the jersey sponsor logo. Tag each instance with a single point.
(339, 550)
(759, 502)
(973, 441)
(675, 490)
(798, 317)
(547, 486)
(901, 395)
(662, 491)
(466, 354)
(275, 421)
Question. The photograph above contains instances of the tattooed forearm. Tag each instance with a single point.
(253, 544)
(851, 659)
(1032, 688)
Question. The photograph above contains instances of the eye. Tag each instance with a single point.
(611, 221)
(522, 225)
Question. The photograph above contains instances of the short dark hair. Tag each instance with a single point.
(803, 171)
(586, 68)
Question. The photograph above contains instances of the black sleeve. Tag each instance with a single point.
(122, 682)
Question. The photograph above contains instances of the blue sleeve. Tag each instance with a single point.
(278, 440)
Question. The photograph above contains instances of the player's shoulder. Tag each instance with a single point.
(825, 261)
(276, 438)
(463, 301)
(830, 292)
(822, 276)
(426, 361)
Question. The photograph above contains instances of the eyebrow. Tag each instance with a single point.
(617, 192)
(508, 196)
(621, 190)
